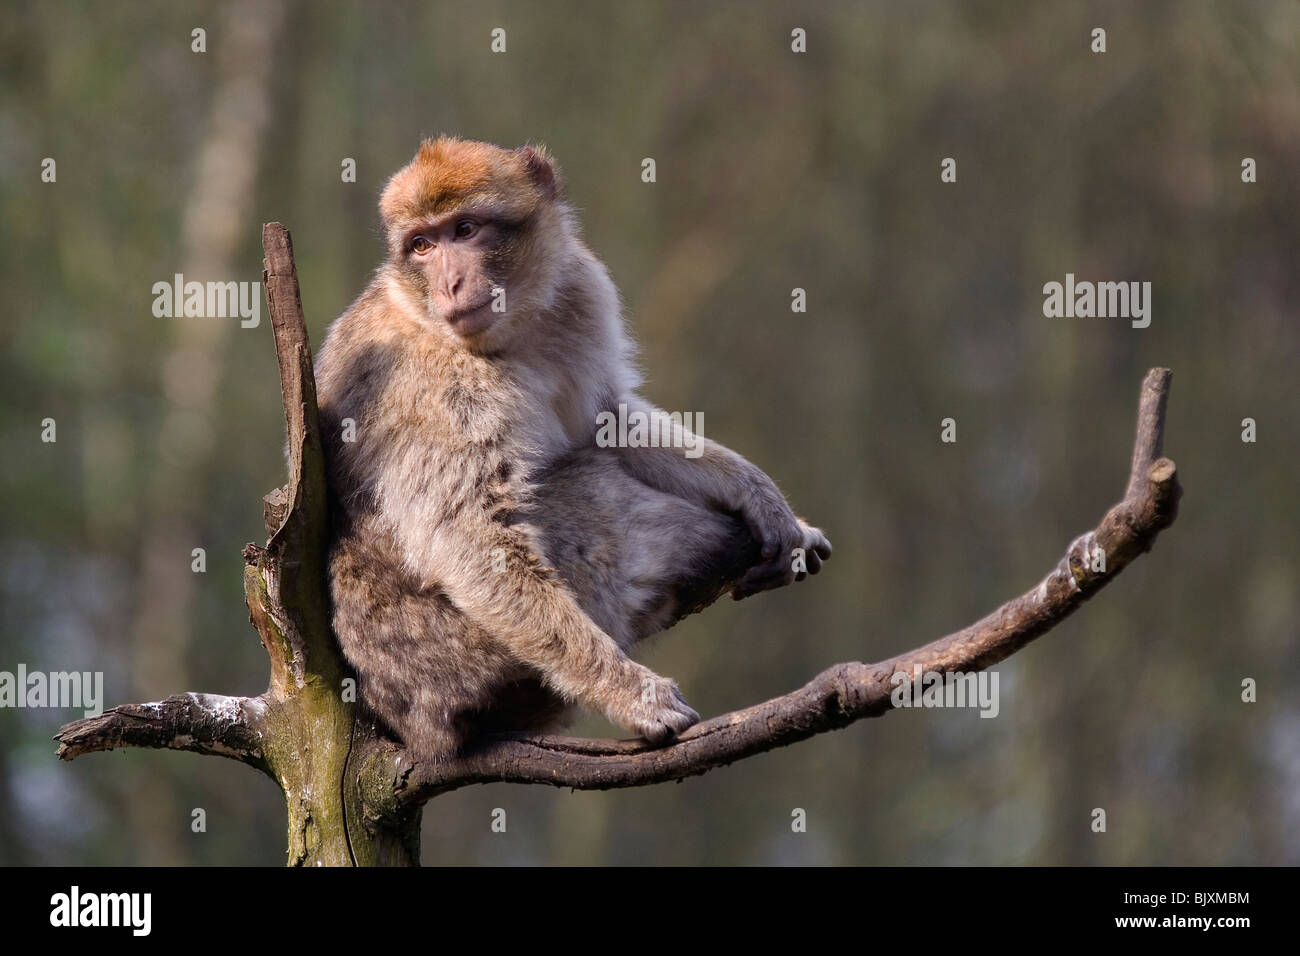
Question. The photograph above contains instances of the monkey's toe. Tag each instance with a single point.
(665, 717)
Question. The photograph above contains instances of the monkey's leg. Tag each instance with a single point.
(692, 467)
(637, 559)
(421, 663)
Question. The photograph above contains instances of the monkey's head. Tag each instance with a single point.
(478, 234)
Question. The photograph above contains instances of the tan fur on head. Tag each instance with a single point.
(449, 173)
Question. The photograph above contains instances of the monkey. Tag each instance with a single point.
(491, 564)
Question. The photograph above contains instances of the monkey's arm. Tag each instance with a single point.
(500, 585)
(697, 469)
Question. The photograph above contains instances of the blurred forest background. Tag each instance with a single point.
(776, 170)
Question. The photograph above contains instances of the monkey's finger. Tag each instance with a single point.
(750, 583)
(769, 574)
(779, 569)
(819, 543)
(668, 723)
(655, 733)
(772, 527)
(769, 541)
(765, 577)
(811, 565)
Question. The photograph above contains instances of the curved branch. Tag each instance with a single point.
(836, 697)
(202, 723)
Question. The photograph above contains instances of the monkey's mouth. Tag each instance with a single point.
(473, 320)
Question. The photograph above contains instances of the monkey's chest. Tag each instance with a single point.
(550, 416)
(559, 425)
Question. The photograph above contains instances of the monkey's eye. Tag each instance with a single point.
(421, 245)
(466, 228)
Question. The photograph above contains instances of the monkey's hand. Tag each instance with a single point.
(657, 711)
(790, 548)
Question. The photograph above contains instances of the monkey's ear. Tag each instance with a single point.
(541, 170)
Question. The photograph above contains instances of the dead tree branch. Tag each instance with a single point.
(202, 723)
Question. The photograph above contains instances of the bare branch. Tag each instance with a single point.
(292, 566)
(202, 723)
(836, 697)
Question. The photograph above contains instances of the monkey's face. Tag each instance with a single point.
(477, 233)
(456, 262)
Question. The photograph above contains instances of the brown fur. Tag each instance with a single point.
(490, 564)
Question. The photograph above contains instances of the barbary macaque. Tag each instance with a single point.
(492, 564)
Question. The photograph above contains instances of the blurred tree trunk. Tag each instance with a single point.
(219, 203)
